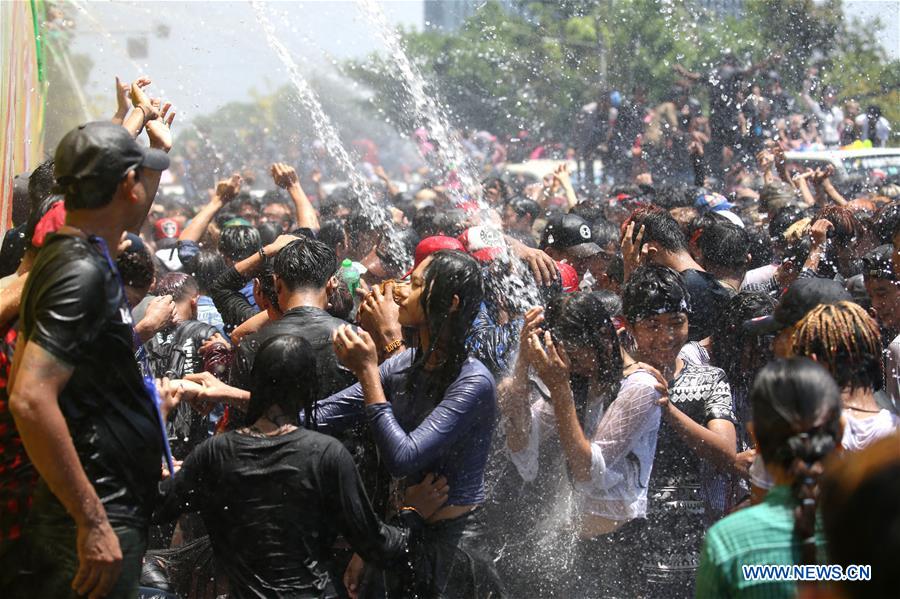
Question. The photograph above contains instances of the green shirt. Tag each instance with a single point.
(762, 534)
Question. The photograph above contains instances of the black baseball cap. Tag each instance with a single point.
(95, 156)
(802, 296)
(571, 233)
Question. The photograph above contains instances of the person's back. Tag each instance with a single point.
(314, 325)
(262, 497)
(763, 535)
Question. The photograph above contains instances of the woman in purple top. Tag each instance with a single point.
(430, 409)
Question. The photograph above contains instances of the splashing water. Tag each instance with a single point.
(329, 136)
(450, 157)
(449, 154)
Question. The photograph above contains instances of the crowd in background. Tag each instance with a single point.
(627, 378)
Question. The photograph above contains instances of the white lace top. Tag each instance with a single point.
(623, 443)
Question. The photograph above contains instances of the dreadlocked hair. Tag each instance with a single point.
(845, 340)
(450, 273)
(797, 424)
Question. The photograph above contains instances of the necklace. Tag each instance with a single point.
(281, 430)
(863, 410)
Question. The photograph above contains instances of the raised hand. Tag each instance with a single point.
(284, 175)
(550, 360)
(355, 350)
(140, 100)
(379, 314)
(227, 189)
(122, 103)
(160, 130)
(634, 253)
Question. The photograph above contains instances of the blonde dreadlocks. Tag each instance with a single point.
(845, 340)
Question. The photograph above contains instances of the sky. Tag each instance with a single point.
(216, 52)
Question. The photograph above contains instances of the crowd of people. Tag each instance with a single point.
(269, 396)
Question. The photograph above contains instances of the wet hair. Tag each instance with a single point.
(860, 485)
(396, 265)
(136, 267)
(243, 199)
(797, 424)
(887, 220)
(449, 273)
(331, 233)
(239, 242)
(730, 339)
(500, 184)
(450, 222)
(206, 267)
(266, 278)
(179, 285)
(784, 218)
(424, 221)
(525, 207)
(761, 252)
(582, 320)
(845, 340)
(268, 232)
(654, 289)
(284, 374)
(675, 195)
(591, 210)
(776, 196)
(659, 226)
(847, 229)
(305, 263)
(725, 245)
(605, 234)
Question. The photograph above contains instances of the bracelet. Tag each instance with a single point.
(392, 346)
(262, 254)
(143, 111)
(409, 508)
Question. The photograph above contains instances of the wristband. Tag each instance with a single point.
(393, 345)
(262, 254)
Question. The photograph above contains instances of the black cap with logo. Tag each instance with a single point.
(571, 233)
(91, 159)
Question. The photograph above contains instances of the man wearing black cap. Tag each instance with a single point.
(568, 237)
(802, 296)
(83, 410)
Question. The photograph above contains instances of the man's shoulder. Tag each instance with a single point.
(70, 262)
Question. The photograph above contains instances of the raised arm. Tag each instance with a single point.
(406, 453)
(226, 190)
(286, 177)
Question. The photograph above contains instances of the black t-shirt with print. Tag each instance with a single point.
(73, 306)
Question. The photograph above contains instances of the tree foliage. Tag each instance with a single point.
(534, 66)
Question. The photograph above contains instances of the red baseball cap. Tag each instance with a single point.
(433, 244)
(166, 228)
(49, 223)
(568, 277)
(483, 242)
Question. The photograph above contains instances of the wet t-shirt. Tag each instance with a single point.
(73, 306)
(708, 300)
(415, 434)
(273, 507)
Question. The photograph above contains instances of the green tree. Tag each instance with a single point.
(534, 67)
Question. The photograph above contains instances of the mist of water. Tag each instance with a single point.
(328, 134)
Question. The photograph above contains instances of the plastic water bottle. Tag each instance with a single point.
(350, 275)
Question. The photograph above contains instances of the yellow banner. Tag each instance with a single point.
(22, 100)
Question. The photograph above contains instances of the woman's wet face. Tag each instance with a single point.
(409, 297)
(660, 337)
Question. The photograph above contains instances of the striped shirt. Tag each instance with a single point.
(762, 534)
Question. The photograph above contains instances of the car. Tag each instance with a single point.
(849, 164)
(533, 171)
